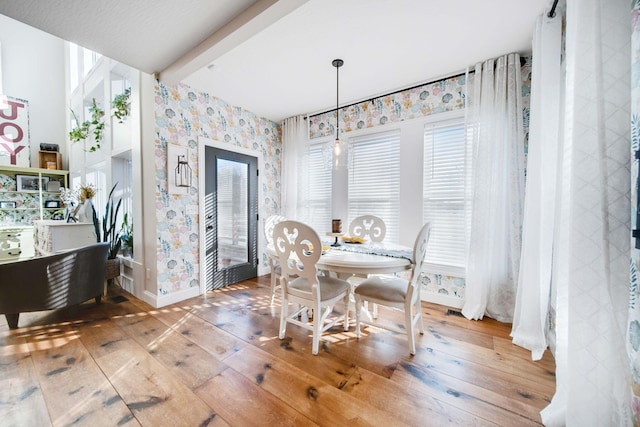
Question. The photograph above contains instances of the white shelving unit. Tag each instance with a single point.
(29, 205)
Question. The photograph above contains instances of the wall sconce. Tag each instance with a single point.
(179, 173)
(182, 173)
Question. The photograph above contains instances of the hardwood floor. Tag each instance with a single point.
(216, 360)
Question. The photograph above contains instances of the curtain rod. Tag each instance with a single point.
(390, 93)
(552, 12)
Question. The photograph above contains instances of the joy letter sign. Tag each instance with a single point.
(14, 132)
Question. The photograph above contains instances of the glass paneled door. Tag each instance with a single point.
(231, 217)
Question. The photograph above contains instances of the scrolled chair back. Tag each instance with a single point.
(368, 226)
(419, 252)
(269, 224)
(298, 247)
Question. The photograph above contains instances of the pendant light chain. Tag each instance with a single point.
(337, 63)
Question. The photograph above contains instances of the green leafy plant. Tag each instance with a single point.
(121, 105)
(96, 126)
(126, 232)
(109, 232)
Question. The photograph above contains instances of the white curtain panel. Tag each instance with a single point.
(295, 137)
(591, 250)
(534, 283)
(495, 101)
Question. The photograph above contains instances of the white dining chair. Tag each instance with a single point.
(372, 227)
(369, 226)
(274, 265)
(299, 248)
(397, 292)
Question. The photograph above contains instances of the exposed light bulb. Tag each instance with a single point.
(337, 148)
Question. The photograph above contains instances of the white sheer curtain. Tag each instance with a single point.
(534, 283)
(591, 249)
(495, 104)
(294, 145)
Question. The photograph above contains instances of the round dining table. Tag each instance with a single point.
(345, 263)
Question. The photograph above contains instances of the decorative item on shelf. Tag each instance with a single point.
(31, 183)
(7, 205)
(69, 199)
(14, 131)
(49, 160)
(96, 126)
(49, 147)
(53, 186)
(121, 105)
(85, 196)
(51, 204)
(179, 172)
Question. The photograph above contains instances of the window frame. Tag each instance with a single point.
(382, 136)
(453, 120)
(304, 210)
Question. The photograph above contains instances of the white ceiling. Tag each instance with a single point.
(273, 57)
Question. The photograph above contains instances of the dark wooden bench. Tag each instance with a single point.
(53, 281)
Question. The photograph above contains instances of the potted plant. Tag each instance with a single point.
(96, 126)
(126, 232)
(107, 232)
(121, 105)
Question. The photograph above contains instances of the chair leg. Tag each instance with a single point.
(273, 279)
(358, 310)
(12, 320)
(408, 321)
(317, 330)
(284, 313)
(419, 314)
(346, 311)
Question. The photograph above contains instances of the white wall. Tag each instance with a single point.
(33, 68)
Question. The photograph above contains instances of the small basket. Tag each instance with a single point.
(113, 268)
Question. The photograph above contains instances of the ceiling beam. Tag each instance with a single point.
(252, 21)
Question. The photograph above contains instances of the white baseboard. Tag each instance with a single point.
(158, 301)
(446, 300)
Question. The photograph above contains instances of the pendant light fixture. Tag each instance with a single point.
(338, 149)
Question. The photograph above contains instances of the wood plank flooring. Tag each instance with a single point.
(216, 360)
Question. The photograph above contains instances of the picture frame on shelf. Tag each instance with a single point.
(7, 205)
(52, 204)
(31, 183)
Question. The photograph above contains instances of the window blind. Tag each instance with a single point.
(444, 198)
(315, 199)
(374, 179)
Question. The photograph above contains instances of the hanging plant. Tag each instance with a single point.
(121, 105)
(96, 126)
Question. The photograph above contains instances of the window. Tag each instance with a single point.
(73, 66)
(445, 202)
(374, 179)
(315, 198)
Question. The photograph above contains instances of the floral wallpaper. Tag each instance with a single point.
(633, 345)
(182, 116)
(432, 98)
